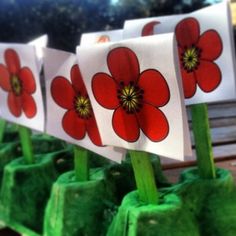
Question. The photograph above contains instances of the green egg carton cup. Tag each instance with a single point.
(42, 144)
(168, 218)
(212, 201)
(78, 208)
(26, 188)
(7, 154)
(195, 206)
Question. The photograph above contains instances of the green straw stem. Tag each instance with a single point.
(81, 164)
(3, 124)
(203, 144)
(144, 177)
(26, 144)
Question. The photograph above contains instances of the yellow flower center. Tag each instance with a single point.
(190, 58)
(130, 97)
(16, 85)
(83, 106)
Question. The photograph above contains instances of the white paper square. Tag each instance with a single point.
(59, 63)
(216, 17)
(29, 112)
(150, 55)
(39, 43)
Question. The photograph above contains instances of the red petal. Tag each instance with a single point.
(153, 123)
(105, 90)
(189, 83)
(62, 92)
(211, 45)
(149, 27)
(93, 132)
(180, 52)
(77, 81)
(125, 125)
(156, 90)
(103, 39)
(5, 83)
(187, 32)
(208, 76)
(14, 104)
(27, 78)
(12, 61)
(73, 125)
(123, 65)
(28, 105)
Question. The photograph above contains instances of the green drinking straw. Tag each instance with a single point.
(3, 124)
(81, 163)
(202, 137)
(144, 177)
(26, 144)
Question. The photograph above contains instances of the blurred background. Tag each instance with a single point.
(65, 20)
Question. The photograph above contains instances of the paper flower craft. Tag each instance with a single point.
(20, 85)
(197, 54)
(79, 118)
(134, 96)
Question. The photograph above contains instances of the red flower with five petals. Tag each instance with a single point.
(19, 83)
(79, 118)
(197, 53)
(134, 97)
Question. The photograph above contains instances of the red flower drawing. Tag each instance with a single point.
(134, 97)
(149, 28)
(20, 85)
(197, 53)
(79, 118)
